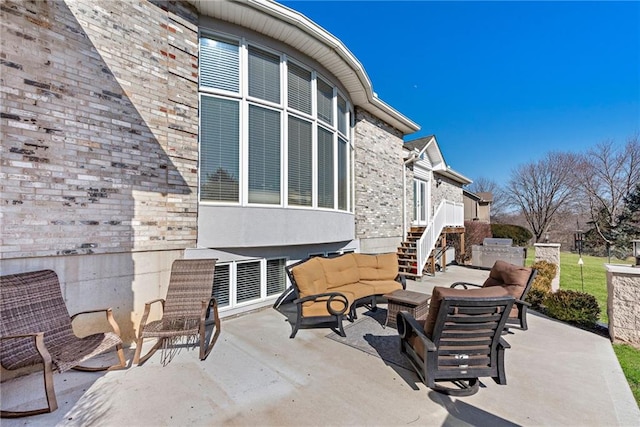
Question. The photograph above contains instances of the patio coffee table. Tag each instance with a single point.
(416, 303)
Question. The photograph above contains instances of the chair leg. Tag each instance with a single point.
(115, 367)
(47, 374)
(52, 403)
(340, 329)
(522, 314)
(204, 353)
(136, 357)
(464, 388)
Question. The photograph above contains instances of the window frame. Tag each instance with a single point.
(286, 111)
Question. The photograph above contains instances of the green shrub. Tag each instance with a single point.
(475, 232)
(546, 270)
(574, 307)
(518, 234)
(536, 298)
(541, 286)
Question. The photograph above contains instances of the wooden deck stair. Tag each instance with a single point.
(407, 254)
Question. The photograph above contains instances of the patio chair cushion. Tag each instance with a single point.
(310, 278)
(439, 292)
(511, 277)
(340, 271)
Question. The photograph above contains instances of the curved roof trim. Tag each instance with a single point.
(287, 25)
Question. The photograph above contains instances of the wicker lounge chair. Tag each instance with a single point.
(36, 329)
(184, 311)
(460, 341)
(517, 281)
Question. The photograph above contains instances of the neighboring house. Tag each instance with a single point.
(477, 206)
(135, 133)
(436, 205)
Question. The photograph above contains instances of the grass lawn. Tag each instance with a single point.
(629, 358)
(594, 281)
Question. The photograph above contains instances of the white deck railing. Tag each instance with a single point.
(448, 214)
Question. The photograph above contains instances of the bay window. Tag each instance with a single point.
(272, 131)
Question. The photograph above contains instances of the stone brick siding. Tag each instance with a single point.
(447, 190)
(99, 123)
(378, 178)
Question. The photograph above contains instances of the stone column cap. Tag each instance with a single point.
(623, 269)
(547, 245)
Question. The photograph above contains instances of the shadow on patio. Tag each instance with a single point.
(256, 375)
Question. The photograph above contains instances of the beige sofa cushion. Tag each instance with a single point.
(381, 287)
(340, 271)
(367, 266)
(357, 290)
(310, 278)
(377, 267)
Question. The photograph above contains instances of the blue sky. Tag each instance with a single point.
(499, 83)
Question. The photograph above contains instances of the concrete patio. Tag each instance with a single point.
(256, 375)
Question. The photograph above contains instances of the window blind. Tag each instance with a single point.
(342, 174)
(264, 75)
(264, 155)
(342, 115)
(325, 168)
(276, 280)
(247, 281)
(219, 65)
(325, 101)
(219, 149)
(300, 178)
(221, 285)
(299, 88)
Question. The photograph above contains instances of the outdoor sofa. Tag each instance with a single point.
(327, 289)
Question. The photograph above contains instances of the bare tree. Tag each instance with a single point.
(605, 175)
(540, 189)
(499, 202)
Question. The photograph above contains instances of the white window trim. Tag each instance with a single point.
(285, 111)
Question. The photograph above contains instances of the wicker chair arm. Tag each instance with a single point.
(147, 309)
(110, 318)
(408, 326)
(465, 285)
(333, 296)
(148, 304)
(38, 341)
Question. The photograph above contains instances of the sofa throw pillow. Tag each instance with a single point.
(512, 277)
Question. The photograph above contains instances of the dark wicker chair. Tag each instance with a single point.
(517, 280)
(184, 311)
(460, 341)
(36, 329)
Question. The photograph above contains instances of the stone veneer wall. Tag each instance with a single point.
(99, 124)
(447, 190)
(623, 299)
(99, 127)
(378, 184)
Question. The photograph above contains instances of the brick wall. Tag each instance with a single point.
(99, 127)
(378, 179)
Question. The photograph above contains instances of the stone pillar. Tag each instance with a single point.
(550, 252)
(623, 298)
